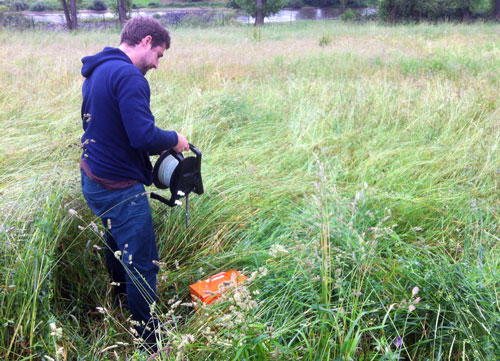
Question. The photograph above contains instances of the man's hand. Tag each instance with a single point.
(182, 144)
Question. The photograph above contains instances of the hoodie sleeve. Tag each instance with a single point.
(133, 99)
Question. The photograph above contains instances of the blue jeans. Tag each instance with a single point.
(127, 217)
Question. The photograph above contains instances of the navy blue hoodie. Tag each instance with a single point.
(120, 133)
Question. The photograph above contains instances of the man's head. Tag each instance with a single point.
(144, 39)
(139, 27)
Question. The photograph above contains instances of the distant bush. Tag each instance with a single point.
(349, 16)
(201, 20)
(14, 19)
(19, 6)
(98, 5)
(432, 10)
(232, 4)
(321, 3)
(41, 7)
(153, 5)
(397, 10)
(294, 4)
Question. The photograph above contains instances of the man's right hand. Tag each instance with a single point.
(182, 144)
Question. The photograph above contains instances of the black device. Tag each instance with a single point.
(182, 175)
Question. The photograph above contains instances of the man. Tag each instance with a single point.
(120, 134)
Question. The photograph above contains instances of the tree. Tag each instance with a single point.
(122, 12)
(259, 13)
(497, 10)
(417, 10)
(260, 8)
(122, 8)
(466, 7)
(74, 19)
(396, 10)
(70, 14)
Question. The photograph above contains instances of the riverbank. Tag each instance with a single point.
(89, 19)
(108, 11)
(190, 16)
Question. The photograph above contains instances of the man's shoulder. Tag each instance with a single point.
(121, 67)
(121, 73)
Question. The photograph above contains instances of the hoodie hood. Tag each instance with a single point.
(93, 61)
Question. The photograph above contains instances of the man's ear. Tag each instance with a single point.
(147, 40)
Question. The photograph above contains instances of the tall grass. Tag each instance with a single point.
(354, 182)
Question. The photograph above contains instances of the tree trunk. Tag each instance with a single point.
(392, 15)
(466, 15)
(466, 11)
(74, 19)
(66, 14)
(497, 10)
(122, 12)
(259, 17)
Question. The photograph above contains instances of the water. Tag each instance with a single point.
(175, 16)
(306, 13)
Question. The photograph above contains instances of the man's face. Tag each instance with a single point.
(149, 56)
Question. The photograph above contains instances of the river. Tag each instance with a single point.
(175, 16)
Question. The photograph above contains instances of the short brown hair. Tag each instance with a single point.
(138, 27)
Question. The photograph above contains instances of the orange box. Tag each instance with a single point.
(208, 291)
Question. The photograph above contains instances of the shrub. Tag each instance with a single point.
(232, 4)
(153, 5)
(321, 3)
(294, 4)
(429, 10)
(19, 6)
(349, 16)
(14, 20)
(98, 5)
(41, 7)
(325, 40)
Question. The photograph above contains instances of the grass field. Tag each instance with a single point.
(355, 183)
